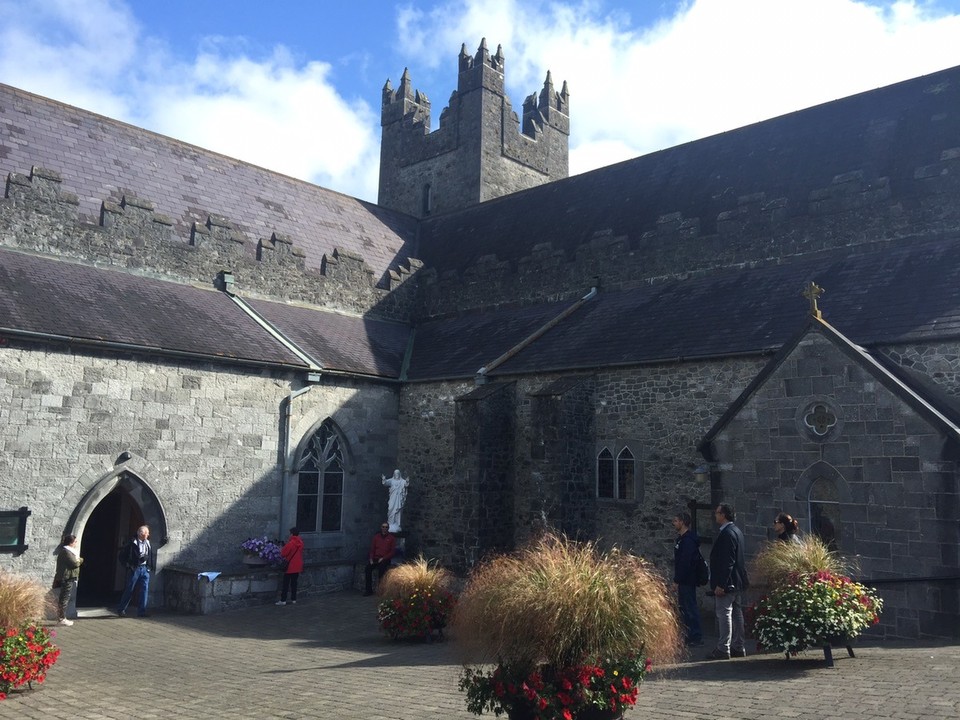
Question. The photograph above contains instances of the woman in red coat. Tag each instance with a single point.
(292, 552)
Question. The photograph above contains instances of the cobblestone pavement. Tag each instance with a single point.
(325, 658)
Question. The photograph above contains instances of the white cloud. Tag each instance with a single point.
(714, 66)
(711, 66)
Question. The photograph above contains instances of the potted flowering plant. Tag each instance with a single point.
(416, 600)
(26, 653)
(261, 551)
(569, 631)
(26, 649)
(810, 601)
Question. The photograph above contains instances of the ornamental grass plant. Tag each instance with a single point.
(777, 561)
(21, 599)
(416, 599)
(569, 628)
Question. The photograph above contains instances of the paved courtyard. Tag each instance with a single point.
(325, 658)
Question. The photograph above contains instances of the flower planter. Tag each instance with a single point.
(590, 713)
(254, 560)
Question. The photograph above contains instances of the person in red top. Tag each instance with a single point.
(382, 549)
(292, 552)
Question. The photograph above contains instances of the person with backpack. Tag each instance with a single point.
(136, 557)
(687, 574)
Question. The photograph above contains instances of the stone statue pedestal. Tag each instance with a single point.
(400, 556)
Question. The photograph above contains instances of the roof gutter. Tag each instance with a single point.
(481, 376)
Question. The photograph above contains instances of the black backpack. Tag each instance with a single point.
(701, 569)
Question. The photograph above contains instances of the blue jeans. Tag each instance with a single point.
(140, 573)
(690, 612)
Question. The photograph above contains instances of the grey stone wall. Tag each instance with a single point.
(895, 474)
(208, 441)
(37, 215)
(660, 411)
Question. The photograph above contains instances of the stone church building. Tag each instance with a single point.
(768, 317)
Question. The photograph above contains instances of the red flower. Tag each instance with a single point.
(567, 715)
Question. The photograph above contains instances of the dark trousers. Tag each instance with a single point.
(689, 612)
(380, 567)
(289, 583)
(66, 590)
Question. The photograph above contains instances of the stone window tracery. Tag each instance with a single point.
(819, 419)
(617, 476)
(320, 482)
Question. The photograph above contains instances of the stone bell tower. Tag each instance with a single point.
(482, 149)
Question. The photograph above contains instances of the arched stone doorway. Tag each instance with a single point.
(107, 517)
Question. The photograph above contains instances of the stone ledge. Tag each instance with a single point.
(185, 591)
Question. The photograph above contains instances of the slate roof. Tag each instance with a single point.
(885, 294)
(884, 133)
(91, 305)
(340, 342)
(102, 159)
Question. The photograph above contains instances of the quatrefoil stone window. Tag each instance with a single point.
(819, 420)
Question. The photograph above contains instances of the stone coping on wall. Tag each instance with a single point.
(188, 590)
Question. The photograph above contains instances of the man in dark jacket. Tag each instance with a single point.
(138, 559)
(685, 559)
(728, 579)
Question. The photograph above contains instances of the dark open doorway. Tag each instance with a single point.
(113, 522)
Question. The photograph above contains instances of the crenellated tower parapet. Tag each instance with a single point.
(480, 151)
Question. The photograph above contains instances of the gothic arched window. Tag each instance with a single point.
(626, 475)
(617, 477)
(606, 474)
(320, 482)
(824, 501)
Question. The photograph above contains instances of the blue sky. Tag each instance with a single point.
(295, 86)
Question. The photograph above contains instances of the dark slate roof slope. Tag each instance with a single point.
(887, 294)
(883, 133)
(100, 158)
(340, 342)
(42, 297)
(459, 346)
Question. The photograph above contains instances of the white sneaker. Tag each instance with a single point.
(65, 622)
(293, 602)
(281, 603)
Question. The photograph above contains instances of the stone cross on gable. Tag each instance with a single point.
(813, 292)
